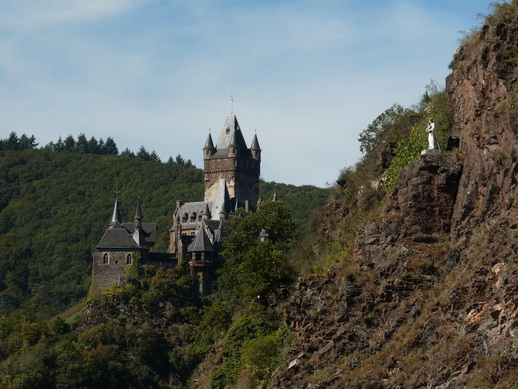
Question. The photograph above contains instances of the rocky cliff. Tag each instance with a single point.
(429, 296)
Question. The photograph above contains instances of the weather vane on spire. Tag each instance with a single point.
(231, 104)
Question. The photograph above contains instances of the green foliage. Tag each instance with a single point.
(407, 150)
(124, 339)
(302, 201)
(136, 270)
(54, 208)
(385, 127)
(437, 108)
(252, 337)
(18, 143)
(254, 268)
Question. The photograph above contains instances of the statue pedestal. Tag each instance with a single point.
(431, 152)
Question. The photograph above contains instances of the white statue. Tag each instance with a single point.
(431, 134)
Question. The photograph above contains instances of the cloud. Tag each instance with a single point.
(30, 16)
(309, 76)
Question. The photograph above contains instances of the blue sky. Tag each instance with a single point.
(307, 75)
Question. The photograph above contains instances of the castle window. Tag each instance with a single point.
(128, 259)
(105, 259)
(193, 217)
(185, 217)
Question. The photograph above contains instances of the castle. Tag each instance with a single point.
(231, 174)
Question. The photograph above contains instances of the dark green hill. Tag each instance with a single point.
(54, 207)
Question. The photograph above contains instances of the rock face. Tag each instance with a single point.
(430, 295)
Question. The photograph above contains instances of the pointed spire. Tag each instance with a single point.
(255, 148)
(116, 216)
(138, 215)
(209, 144)
(255, 144)
(138, 211)
(274, 195)
(209, 150)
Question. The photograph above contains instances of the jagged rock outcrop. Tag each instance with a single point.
(430, 296)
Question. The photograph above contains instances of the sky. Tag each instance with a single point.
(306, 76)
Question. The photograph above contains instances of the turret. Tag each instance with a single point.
(209, 150)
(256, 149)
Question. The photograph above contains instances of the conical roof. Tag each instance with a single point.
(209, 145)
(116, 217)
(255, 144)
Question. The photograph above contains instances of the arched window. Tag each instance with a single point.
(193, 217)
(129, 261)
(185, 217)
(105, 259)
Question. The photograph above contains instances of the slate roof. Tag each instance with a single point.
(189, 209)
(231, 135)
(150, 231)
(201, 242)
(117, 237)
(255, 144)
(209, 144)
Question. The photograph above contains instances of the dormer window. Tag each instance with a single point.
(193, 217)
(227, 130)
(185, 217)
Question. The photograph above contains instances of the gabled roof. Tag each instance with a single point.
(201, 242)
(117, 238)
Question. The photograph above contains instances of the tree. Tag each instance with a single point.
(392, 119)
(69, 143)
(93, 146)
(253, 267)
(127, 152)
(110, 148)
(81, 146)
(154, 157)
(143, 154)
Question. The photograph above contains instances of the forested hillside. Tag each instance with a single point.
(55, 205)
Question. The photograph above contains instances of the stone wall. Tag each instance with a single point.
(113, 272)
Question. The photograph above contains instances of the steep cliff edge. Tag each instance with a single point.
(429, 297)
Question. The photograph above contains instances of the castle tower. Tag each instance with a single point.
(234, 162)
